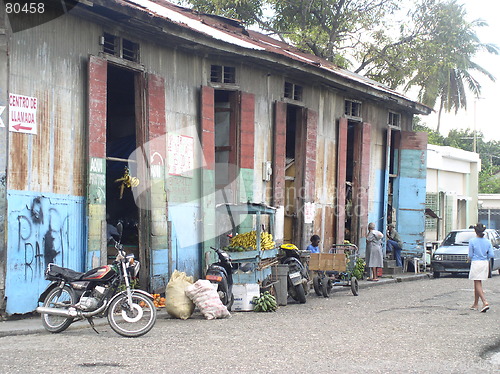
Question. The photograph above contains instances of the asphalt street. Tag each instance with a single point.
(423, 326)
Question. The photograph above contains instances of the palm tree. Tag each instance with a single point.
(448, 76)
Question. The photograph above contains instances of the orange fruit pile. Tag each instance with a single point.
(158, 300)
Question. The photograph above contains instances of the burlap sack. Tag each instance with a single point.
(177, 303)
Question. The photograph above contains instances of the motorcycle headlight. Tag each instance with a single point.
(438, 257)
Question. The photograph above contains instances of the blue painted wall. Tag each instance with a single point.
(42, 228)
(186, 238)
(410, 207)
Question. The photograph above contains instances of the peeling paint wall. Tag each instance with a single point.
(44, 228)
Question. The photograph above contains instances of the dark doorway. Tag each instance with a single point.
(294, 174)
(121, 142)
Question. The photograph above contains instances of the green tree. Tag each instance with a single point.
(431, 48)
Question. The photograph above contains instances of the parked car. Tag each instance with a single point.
(451, 255)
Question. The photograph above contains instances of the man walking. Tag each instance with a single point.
(394, 243)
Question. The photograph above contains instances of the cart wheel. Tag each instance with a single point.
(354, 286)
(317, 285)
(326, 287)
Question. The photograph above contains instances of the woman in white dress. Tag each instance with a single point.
(374, 251)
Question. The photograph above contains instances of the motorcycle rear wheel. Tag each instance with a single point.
(135, 320)
(58, 298)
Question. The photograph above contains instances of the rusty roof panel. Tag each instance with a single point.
(233, 32)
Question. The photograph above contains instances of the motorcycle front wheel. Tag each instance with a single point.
(60, 299)
(132, 320)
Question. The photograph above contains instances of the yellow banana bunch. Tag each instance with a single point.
(249, 240)
(266, 241)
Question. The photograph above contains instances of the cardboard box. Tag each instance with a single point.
(328, 261)
(243, 295)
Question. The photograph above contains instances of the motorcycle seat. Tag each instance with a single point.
(68, 274)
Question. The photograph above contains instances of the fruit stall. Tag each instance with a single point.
(253, 252)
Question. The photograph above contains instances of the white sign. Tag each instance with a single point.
(2, 108)
(308, 212)
(22, 113)
(180, 155)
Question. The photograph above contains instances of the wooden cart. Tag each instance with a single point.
(334, 269)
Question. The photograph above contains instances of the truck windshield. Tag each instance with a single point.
(459, 238)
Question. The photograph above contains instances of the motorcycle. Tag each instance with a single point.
(221, 274)
(298, 275)
(101, 292)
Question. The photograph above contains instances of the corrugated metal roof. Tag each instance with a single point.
(233, 32)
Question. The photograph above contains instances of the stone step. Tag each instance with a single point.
(390, 264)
(392, 270)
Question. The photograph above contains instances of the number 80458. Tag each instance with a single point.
(27, 8)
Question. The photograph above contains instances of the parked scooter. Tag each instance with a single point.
(100, 292)
(221, 273)
(298, 275)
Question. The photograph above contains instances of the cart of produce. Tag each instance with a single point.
(334, 269)
(252, 252)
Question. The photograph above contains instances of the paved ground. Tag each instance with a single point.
(409, 327)
(31, 324)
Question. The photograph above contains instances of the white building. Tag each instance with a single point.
(489, 210)
(452, 190)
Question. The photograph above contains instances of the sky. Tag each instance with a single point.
(480, 113)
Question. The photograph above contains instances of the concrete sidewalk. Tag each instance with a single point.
(32, 324)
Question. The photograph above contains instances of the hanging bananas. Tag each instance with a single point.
(248, 241)
(265, 303)
(127, 180)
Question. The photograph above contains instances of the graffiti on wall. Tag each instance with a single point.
(42, 237)
(41, 229)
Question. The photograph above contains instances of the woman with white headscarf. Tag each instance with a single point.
(375, 258)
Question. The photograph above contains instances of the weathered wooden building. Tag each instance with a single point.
(203, 112)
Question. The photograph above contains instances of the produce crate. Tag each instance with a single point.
(248, 256)
(328, 261)
(256, 276)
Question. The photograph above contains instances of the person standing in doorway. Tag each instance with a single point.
(480, 252)
(394, 244)
(375, 257)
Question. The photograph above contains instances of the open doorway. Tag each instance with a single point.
(293, 174)
(121, 141)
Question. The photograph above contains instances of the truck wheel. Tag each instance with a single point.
(436, 274)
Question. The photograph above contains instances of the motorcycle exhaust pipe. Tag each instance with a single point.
(57, 311)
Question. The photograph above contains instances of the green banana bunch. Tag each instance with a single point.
(265, 303)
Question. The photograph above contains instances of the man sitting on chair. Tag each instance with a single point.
(394, 243)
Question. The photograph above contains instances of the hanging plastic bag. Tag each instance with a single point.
(206, 298)
(177, 303)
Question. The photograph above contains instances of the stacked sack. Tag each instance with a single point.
(206, 298)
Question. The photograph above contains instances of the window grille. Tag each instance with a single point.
(222, 74)
(293, 91)
(352, 108)
(431, 202)
(120, 47)
(394, 119)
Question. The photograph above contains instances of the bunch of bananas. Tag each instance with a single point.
(248, 240)
(266, 241)
(265, 303)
